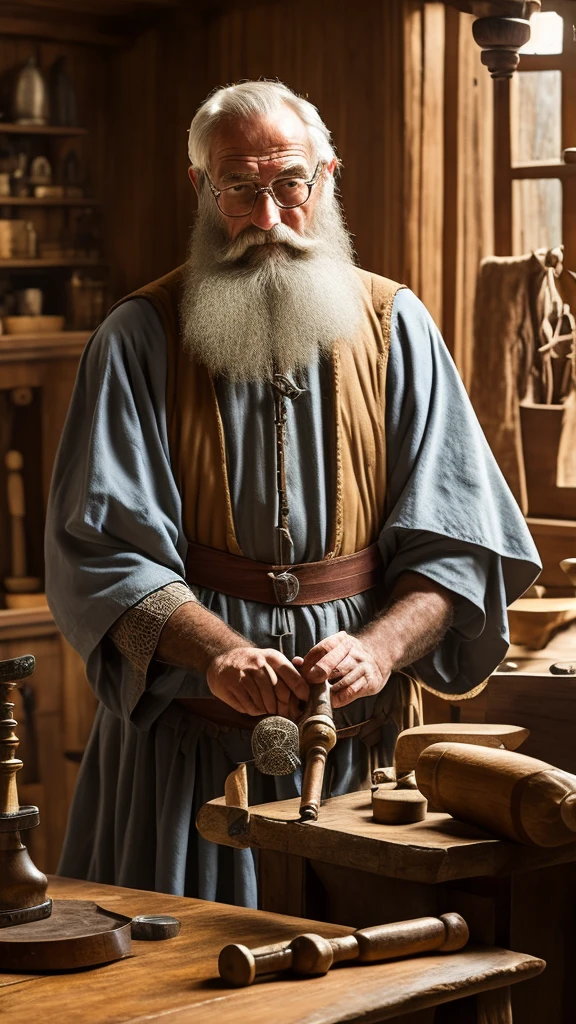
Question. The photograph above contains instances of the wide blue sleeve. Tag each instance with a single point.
(450, 513)
(113, 532)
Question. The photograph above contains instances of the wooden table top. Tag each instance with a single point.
(177, 980)
(435, 850)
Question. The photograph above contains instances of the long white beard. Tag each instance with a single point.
(251, 308)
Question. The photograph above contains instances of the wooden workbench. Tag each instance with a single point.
(176, 981)
(346, 868)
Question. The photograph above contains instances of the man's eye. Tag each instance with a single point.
(240, 189)
(290, 184)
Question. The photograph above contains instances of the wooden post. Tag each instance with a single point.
(494, 1006)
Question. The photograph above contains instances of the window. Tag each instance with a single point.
(535, 122)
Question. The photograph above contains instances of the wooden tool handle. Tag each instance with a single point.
(312, 954)
(317, 737)
(319, 702)
(239, 965)
(406, 938)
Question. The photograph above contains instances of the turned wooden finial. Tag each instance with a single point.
(500, 39)
(22, 886)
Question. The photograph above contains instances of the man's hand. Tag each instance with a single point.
(415, 621)
(349, 663)
(257, 682)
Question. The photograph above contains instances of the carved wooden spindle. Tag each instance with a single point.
(317, 737)
(22, 886)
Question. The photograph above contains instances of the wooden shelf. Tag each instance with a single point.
(26, 347)
(49, 201)
(20, 623)
(80, 261)
(40, 129)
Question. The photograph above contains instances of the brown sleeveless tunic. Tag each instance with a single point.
(196, 435)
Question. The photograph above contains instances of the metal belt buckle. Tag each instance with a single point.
(286, 586)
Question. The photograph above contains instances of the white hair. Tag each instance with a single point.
(248, 100)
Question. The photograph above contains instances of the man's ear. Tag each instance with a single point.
(331, 167)
(193, 178)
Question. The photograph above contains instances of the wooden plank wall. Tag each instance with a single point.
(354, 77)
(468, 183)
(352, 69)
(423, 213)
(406, 99)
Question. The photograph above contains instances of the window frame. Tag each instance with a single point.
(505, 173)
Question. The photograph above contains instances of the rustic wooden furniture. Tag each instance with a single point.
(177, 981)
(347, 868)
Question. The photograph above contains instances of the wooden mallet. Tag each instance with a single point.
(314, 955)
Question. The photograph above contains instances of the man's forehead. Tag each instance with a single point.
(281, 136)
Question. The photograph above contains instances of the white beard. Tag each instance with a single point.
(251, 309)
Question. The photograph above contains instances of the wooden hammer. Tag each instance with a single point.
(312, 954)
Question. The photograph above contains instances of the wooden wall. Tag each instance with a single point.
(402, 89)
(354, 77)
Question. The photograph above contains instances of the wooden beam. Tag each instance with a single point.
(63, 31)
(502, 163)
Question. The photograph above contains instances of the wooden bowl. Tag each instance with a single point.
(534, 620)
(33, 324)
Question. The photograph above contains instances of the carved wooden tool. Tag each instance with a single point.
(508, 794)
(22, 886)
(317, 737)
(412, 742)
(396, 799)
(312, 954)
(236, 797)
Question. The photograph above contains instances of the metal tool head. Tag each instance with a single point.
(276, 746)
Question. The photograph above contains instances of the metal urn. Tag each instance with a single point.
(30, 103)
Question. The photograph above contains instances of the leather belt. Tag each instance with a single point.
(308, 583)
(211, 709)
(216, 711)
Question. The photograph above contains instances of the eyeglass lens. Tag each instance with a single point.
(239, 199)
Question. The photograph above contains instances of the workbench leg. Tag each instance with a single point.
(281, 883)
(494, 1007)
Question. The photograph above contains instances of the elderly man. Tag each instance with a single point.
(270, 475)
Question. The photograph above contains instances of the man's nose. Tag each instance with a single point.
(265, 214)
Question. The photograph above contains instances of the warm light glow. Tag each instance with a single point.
(546, 31)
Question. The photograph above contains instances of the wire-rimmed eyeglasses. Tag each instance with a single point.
(239, 200)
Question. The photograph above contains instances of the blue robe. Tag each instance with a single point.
(114, 535)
